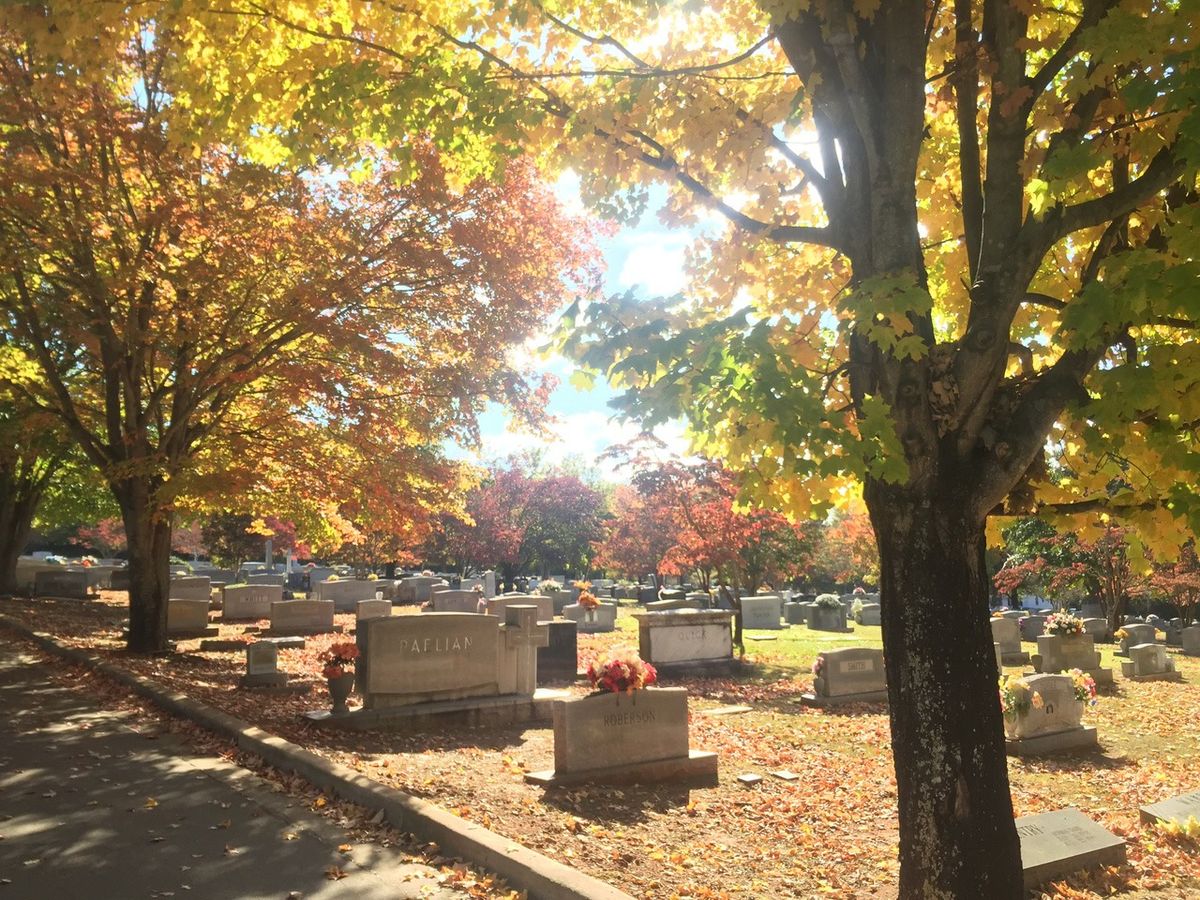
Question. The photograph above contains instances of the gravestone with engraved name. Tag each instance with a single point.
(762, 611)
(685, 638)
(1150, 662)
(450, 656)
(1174, 809)
(302, 617)
(1054, 844)
(1062, 653)
(63, 583)
(1051, 723)
(1007, 633)
(249, 601)
(620, 738)
(848, 675)
(262, 666)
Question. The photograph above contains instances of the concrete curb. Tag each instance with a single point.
(524, 869)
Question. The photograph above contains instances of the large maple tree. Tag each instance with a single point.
(961, 240)
(204, 325)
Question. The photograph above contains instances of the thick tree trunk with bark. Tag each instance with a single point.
(148, 532)
(957, 838)
(19, 500)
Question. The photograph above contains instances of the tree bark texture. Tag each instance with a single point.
(20, 496)
(957, 837)
(148, 532)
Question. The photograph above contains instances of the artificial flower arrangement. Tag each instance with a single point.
(331, 577)
(545, 588)
(588, 600)
(1016, 698)
(372, 577)
(1064, 624)
(1121, 634)
(338, 659)
(1085, 686)
(582, 585)
(622, 674)
(828, 601)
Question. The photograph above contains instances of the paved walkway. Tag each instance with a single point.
(90, 808)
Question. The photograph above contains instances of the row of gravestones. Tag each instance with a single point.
(1147, 660)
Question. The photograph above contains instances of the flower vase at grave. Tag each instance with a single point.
(339, 691)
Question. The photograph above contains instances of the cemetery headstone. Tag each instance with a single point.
(1098, 629)
(1136, 634)
(489, 584)
(828, 618)
(685, 638)
(262, 666)
(1052, 723)
(1032, 626)
(1092, 611)
(417, 588)
(278, 579)
(62, 583)
(302, 617)
(1150, 662)
(188, 618)
(250, 601)
(1054, 844)
(453, 601)
(559, 659)
(600, 620)
(762, 611)
(560, 599)
(869, 614)
(667, 605)
(1189, 638)
(848, 675)
(190, 587)
(545, 606)
(621, 738)
(1007, 633)
(371, 609)
(345, 594)
(1061, 653)
(1174, 809)
(793, 613)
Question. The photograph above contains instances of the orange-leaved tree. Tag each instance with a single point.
(191, 311)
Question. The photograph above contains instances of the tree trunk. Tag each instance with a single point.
(1116, 612)
(958, 839)
(17, 509)
(148, 535)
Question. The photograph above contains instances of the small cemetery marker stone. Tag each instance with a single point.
(188, 618)
(749, 779)
(762, 611)
(1057, 843)
(638, 737)
(262, 666)
(1175, 809)
(302, 617)
(600, 620)
(62, 583)
(848, 675)
(1007, 634)
(1149, 662)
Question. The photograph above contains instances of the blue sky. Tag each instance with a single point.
(647, 257)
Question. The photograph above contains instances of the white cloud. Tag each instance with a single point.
(655, 263)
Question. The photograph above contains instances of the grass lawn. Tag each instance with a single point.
(832, 832)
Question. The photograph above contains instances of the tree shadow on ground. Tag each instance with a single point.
(614, 805)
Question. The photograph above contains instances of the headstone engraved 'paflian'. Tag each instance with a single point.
(1057, 843)
(609, 737)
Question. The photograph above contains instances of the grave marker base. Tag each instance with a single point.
(505, 709)
(1178, 809)
(210, 631)
(699, 767)
(1158, 676)
(1083, 738)
(266, 680)
(819, 701)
